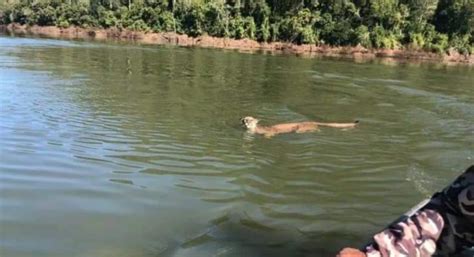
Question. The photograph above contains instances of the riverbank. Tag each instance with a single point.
(356, 53)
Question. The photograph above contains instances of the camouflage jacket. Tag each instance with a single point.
(443, 226)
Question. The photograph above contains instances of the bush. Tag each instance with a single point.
(63, 24)
(139, 25)
(39, 13)
(6, 14)
(240, 27)
(216, 19)
(138, 17)
(362, 36)
(260, 11)
(106, 18)
(250, 28)
(166, 22)
(77, 15)
(416, 41)
(462, 44)
(20, 14)
(264, 33)
(299, 28)
(385, 39)
(45, 16)
(148, 15)
(274, 31)
(192, 20)
(122, 15)
(439, 43)
(342, 33)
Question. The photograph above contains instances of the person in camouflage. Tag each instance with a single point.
(440, 226)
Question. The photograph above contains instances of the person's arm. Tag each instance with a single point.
(417, 232)
(414, 236)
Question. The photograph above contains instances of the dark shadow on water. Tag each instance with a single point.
(239, 236)
(231, 238)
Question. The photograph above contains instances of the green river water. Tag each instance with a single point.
(111, 149)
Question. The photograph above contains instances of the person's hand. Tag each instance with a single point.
(350, 252)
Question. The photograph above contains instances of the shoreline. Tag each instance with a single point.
(356, 53)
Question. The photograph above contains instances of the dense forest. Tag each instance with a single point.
(431, 25)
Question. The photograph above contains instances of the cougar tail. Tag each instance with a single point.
(338, 125)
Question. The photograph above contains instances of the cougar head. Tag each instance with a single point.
(249, 122)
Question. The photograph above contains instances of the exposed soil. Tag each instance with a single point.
(357, 53)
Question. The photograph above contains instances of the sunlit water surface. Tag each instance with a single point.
(129, 150)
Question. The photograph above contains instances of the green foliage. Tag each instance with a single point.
(122, 15)
(5, 15)
(236, 26)
(20, 14)
(422, 10)
(362, 36)
(384, 11)
(41, 13)
(382, 38)
(416, 40)
(462, 43)
(137, 17)
(274, 31)
(299, 28)
(264, 33)
(192, 19)
(242, 27)
(338, 22)
(139, 25)
(250, 28)
(439, 43)
(166, 22)
(63, 24)
(77, 15)
(432, 25)
(455, 17)
(106, 18)
(216, 19)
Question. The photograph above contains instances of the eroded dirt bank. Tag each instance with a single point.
(357, 53)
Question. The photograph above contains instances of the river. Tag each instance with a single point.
(114, 149)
